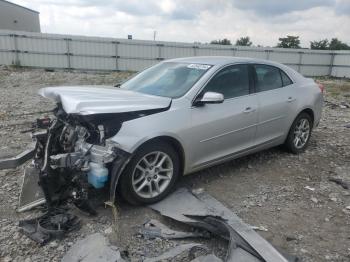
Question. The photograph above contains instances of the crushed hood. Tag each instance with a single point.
(87, 100)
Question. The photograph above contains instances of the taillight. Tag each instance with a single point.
(320, 86)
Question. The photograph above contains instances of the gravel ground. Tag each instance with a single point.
(268, 189)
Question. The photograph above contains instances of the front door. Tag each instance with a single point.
(221, 130)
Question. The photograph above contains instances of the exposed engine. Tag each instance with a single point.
(70, 154)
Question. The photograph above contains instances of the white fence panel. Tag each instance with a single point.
(42, 60)
(138, 50)
(125, 64)
(314, 70)
(212, 51)
(42, 45)
(92, 48)
(177, 51)
(341, 59)
(285, 57)
(97, 53)
(316, 59)
(7, 58)
(6, 42)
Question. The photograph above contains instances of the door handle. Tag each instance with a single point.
(249, 109)
(291, 99)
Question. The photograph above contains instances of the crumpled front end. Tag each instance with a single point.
(71, 156)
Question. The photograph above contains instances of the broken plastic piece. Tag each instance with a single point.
(154, 228)
(54, 224)
(178, 250)
(189, 208)
(207, 258)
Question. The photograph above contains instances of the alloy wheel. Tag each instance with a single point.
(301, 133)
(152, 174)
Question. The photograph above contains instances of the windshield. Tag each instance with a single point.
(169, 79)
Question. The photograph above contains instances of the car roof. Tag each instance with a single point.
(221, 60)
(224, 60)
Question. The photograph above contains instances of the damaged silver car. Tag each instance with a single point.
(175, 118)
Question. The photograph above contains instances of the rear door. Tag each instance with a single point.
(220, 130)
(276, 103)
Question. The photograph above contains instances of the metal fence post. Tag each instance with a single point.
(331, 64)
(68, 53)
(116, 55)
(300, 60)
(17, 62)
(195, 50)
(160, 52)
(234, 51)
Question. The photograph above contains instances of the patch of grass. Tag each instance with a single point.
(335, 86)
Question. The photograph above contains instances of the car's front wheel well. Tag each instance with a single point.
(174, 143)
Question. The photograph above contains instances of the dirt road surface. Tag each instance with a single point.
(289, 195)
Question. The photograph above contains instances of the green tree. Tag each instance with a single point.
(320, 45)
(224, 41)
(289, 42)
(336, 44)
(244, 41)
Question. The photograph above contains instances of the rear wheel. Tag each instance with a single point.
(151, 174)
(299, 133)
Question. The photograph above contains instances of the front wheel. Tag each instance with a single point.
(299, 133)
(151, 174)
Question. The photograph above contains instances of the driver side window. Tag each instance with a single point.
(232, 81)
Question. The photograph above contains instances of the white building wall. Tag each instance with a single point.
(15, 17)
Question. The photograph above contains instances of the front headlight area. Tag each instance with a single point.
(82, 156)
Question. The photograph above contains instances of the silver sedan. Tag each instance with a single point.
(186, 114)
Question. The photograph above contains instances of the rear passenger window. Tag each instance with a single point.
(267, 77)
(285, 79)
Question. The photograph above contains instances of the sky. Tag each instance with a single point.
(264, 21)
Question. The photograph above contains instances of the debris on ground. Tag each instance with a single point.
(340, 182)
(55, 223)
(176, 251)
(310, 188)
(93, 248)
(203, 211)
(154, 228)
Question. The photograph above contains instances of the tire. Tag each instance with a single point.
(298, 132)
(138, 173)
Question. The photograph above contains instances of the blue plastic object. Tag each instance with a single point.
(97, 175)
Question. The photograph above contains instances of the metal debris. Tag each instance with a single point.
(13, 162)
(154, 228)
(340, 182)
(31, 194)
(176, 251)
(201, 210)
(93, 248)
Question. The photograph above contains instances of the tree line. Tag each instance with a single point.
(290, 42)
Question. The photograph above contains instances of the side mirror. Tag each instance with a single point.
(211, 98)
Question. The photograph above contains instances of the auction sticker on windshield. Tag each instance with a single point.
(199, 66)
